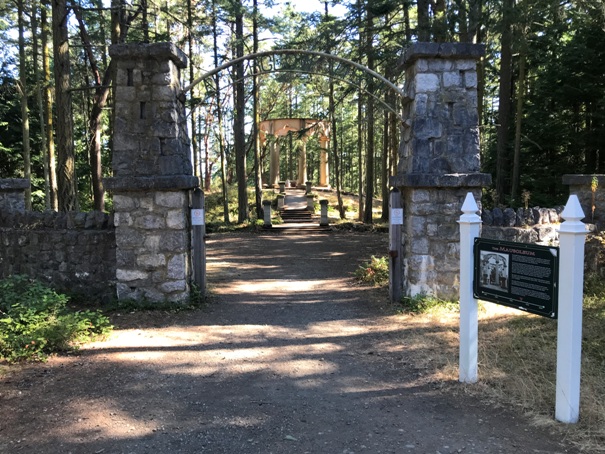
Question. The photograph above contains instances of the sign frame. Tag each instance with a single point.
(518, 275)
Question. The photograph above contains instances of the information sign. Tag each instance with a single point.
(523, 276)
(197, 216)
(396, 216)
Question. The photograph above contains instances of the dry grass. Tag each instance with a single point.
(517, 362)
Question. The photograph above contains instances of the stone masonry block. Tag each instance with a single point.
(130, 275)
(173, 241)
(123, 202)
(174, 286)
(419, 245)
(150, 262)
(176, 219)
(177, 267)
(427, 82)
(122, 219)
(451, 79)
(420, 195)
(150, 222)
(470, 79)
(173, 199)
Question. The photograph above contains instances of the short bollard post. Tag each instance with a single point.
(280, 201)
(572, 236)
(309, 188)
(470, 226)
(324, 213)
(267, 213)
(311, 203)
(282, 186)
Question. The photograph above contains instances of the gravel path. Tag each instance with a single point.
(292, 357)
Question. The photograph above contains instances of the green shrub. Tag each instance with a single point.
(375, 272)
(35, 321)
(421, 304)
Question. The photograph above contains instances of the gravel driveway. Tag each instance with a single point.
(292, 356)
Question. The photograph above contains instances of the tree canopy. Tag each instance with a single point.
(541, 90)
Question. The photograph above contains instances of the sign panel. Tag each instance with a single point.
(397, 216)
(197, 216)
(523, 276)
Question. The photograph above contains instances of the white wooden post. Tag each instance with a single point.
(470, 225)
(572, 236)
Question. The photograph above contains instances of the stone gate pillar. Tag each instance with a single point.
(439, 162)
(152, 174)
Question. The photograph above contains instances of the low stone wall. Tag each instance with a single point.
(75, 252)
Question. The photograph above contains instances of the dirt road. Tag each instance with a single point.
(291, 357)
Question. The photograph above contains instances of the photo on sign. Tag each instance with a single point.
(494, 270)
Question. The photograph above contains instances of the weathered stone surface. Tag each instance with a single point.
(426, 82)
(510, 217)
(177, 267)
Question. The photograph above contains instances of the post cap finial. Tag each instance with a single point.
(469, 206)
(573, 210)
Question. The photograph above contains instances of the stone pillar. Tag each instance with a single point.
(324, 171)
(12, 193)
(302, 163)
(274, 164)
(152, 174)
(309, 187)
(439, 162)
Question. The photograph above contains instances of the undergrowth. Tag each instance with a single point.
(375, 272)
(35, 321)
(421, 304)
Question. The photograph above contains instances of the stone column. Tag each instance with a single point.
(152, 174)
(302, 163)
(324, 171)
(274, 164)
(12, 193)
(590, 190)
(439, 162)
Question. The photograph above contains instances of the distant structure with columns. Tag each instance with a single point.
(305, 127)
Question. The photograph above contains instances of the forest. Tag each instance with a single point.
(541, 91)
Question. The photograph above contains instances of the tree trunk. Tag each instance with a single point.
(367, 214)
(48, 112)
(239, 118)
(193, 108)
(219, 118)
(518, 124)
(24, 104)
(258, 184)
(337, 180)
(424, 25)
(66, 170)
(504, 107)
(384, 175)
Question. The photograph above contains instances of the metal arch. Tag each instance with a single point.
(387, 106)
(293, 52)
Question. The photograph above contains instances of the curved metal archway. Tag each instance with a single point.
(273, 69)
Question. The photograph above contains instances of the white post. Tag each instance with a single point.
(470, 225)
(572, 235)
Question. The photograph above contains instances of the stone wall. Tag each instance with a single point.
(74, 252)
